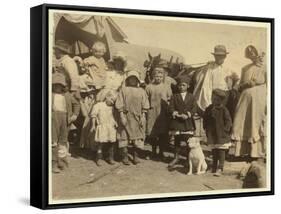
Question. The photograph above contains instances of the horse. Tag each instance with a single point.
(149, 65)
(175, 69)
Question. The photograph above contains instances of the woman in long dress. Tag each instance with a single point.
(250, 113)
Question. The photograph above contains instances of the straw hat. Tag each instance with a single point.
(220, 50)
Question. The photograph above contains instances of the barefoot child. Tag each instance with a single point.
(182, 108)
(217, 124)
(104, 125)
(132, 104)
(159, 95)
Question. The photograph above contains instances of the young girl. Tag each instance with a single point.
(159, 95)
(182, 108)
(97, 65)
(104, 124)
(132, 104)
(217, 124)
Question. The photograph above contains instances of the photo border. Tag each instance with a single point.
(39, 172)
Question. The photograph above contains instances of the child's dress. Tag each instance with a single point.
(106, 125)
(217, 123)
(133, 102)
(157, 115)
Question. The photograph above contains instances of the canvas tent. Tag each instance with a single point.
(81, 31)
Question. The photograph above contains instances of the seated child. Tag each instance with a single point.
(132, 104)
(65, 109)
(159, 95)
(97, 65)
(182, 108)
(217, 124)
(104, 125)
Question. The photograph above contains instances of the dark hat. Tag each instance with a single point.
(183, 79)
(58, 78)
(220, 93)
(62, 46)
(220, 50)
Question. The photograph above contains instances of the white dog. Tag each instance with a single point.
(196, 158)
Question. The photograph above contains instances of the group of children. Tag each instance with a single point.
(118, 111)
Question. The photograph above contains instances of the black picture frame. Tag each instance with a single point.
(39, 105)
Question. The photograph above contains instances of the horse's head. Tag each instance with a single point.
(150, 64)
(152, 61)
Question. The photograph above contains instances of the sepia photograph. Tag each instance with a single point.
(151, 106)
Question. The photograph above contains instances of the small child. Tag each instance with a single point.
(182, 126)
(217, 124)
(65, 109)
(132, 104)
(97, 65)
(115, 76)
(159, 95)
(104, 125)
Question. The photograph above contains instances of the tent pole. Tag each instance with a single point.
(79, 48)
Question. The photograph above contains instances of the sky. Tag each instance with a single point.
(194, 40)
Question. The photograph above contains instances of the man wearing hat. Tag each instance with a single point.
(215, 75)
(62, 51)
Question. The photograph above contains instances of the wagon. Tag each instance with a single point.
(82, 31)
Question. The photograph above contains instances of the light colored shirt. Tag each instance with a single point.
(114, 80)
(71, 69)
(216, 77)
(183, 95)
(59, 103)
(219, 75)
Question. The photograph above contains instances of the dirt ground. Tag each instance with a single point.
(84, 179)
